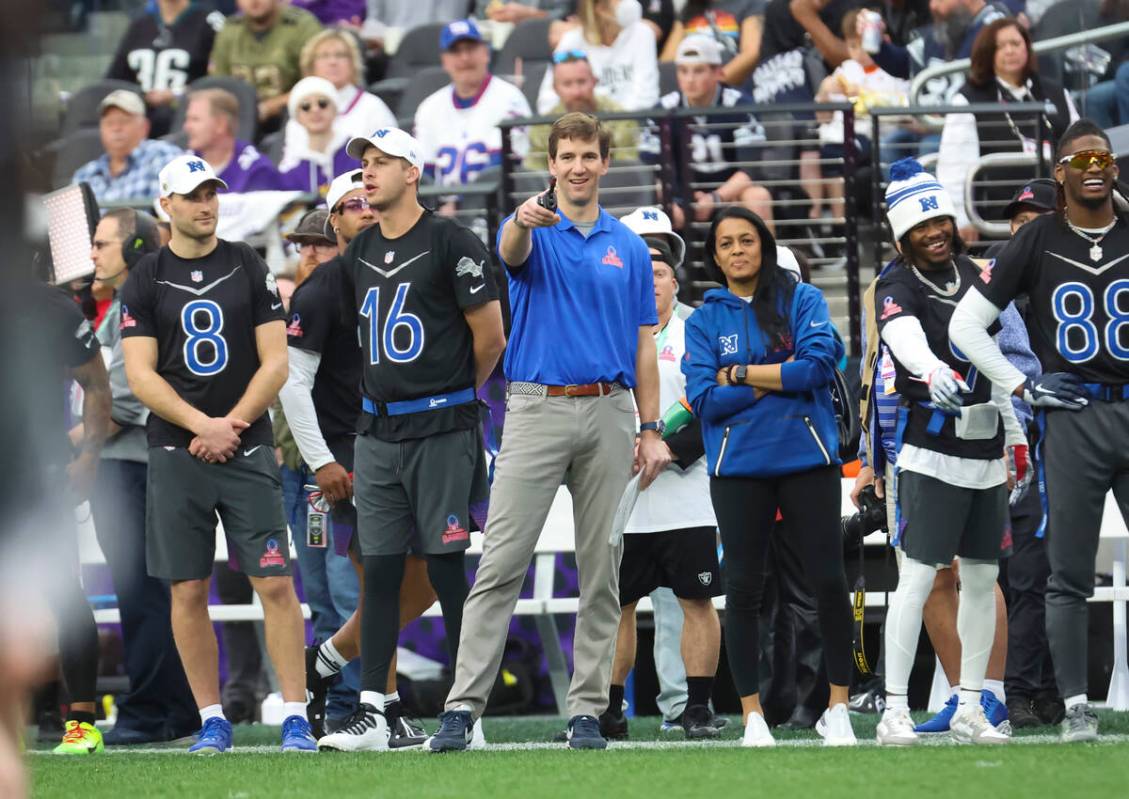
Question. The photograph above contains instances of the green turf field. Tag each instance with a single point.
(525, 765)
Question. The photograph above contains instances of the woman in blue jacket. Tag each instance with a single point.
(760, 359)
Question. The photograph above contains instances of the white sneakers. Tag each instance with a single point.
(367, 731)
(970, 726)
(834, 727)
(756, 732)
(896, 728)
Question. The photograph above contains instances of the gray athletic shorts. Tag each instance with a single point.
(943, 521)
(184, 496)
(416, 495)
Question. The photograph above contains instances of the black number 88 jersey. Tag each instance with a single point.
(203, 313)
(1079, 305)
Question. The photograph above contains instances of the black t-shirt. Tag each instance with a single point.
(1078, 312)
(157, 56)
(781, 74)
(316, 326)
(62, 339)
(900, 293)
(203, 313)
(407, 297)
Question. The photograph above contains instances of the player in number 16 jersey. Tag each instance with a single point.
(1074, 267)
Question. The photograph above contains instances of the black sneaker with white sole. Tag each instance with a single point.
(406, 732)
(698, 723)
(584, 733)
(454, 733)
(316, 689)
(613, 726)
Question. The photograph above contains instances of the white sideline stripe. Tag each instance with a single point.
(728, 743)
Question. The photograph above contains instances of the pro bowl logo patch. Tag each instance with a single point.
(890, 308)
(985, 266)
(705, 578)
(271, 556)
(127, 320)
(668, 354)
(612, 259)
(454, 531)
(294, 329)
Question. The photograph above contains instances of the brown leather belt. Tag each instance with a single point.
(586, 390)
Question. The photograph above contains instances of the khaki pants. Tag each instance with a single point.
(586, 443)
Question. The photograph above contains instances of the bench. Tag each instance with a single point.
(557, 538)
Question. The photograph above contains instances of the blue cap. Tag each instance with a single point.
(457, 31)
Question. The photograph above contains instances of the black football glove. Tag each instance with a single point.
(1055, 390)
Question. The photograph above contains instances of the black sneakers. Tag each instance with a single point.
(406, 732)
(584, 733)
(698, 723)
(316, 689)
(613, 726)
(1021, 713)
(453, 735)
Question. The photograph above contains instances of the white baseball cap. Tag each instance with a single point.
(342, 185)
(391, 141)
(184, 173)
(699, 48)
(311, 86)
(653, 221)
(786, 260)
(126, 100)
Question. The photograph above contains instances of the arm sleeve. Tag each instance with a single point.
(817, 350)
(960, 149)
(469, 263)
(893, 59)
(906, 339)
(711, 402)
(298, 405)
(968, 332)
(1013, 431)
(686, 445)
(644, 283)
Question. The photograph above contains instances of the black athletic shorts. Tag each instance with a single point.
(943, 521)
(184, 496)
(684, 561)
(415, 495)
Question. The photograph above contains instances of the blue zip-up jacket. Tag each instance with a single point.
(786, 431)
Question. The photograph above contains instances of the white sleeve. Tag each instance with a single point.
(644, 57)
(968, 331)
(960, 149)
(1013, 431)
(298, 405)
(547, 98)
(906, 339)
(1071, 111)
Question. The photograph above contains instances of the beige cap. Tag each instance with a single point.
(698, 48)
(127, 101)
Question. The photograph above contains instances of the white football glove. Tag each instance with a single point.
(945, 387)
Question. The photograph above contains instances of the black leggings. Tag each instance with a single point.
(380, 619)
(746, 512)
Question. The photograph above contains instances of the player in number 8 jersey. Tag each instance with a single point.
(1074, 267)
(426, 304)
(205, 351)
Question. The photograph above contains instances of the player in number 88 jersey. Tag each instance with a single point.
(205, 351)
(1074, 267)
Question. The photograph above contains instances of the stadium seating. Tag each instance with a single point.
(418, 50)
(529, 41)
(243, 91)
(425, 83)
(73, 151)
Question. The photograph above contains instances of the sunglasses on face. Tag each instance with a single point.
(568, 56)
(1082, 160)
(356, 204)
(316, 245)
(321, 103)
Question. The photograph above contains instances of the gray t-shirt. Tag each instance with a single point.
(127, 411)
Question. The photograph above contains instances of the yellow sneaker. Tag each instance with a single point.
(80, 739)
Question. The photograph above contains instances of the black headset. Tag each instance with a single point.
(146, 238)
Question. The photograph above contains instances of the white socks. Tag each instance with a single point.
(391, 698)
(903, 625)
(211, 712)
(996, 687)
(329, 660)
(373, 698)
(976, 621)
(293, 709)
(1077, 699)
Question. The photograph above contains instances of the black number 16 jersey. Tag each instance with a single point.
(203, 313)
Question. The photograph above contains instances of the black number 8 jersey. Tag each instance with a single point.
(203, 313)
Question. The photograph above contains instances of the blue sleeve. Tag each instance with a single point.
(515, 271)
(645, 278)
(711, 403)
(893, 59)
(816, 348)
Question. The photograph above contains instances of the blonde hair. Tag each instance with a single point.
(221, 103)
(306, 57)
(589, 23)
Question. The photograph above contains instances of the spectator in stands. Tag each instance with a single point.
(332, 12)
(622, 50)
(519, 11)
(1107, 103)
(575, 83)
(335, 56)
(311, 165)
(261, 46)
(457, 126)
(736, 24)
(403, 15)
(128, 167)
(1004, 70)
(165, 48)
(954, 29)
(729, 138)
(211, 123)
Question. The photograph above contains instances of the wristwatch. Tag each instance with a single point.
(740, 373)
(658, 426)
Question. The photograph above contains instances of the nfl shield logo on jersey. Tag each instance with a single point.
(196, 275)
(705, 578)
(388, 256)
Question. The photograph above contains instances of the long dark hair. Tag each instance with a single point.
(983, 67)
(773, 298)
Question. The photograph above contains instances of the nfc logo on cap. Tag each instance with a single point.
(380, 134)
(651, 216)
(928, 203)
(460, 27)
(196, 166)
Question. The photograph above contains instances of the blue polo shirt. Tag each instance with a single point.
(577, 305)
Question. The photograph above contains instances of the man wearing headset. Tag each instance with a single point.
(159, 704)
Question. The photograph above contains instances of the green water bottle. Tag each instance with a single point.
(676, 418)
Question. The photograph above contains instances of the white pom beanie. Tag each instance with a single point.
(913, 197)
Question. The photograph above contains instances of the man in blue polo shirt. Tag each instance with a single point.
(583, 306)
